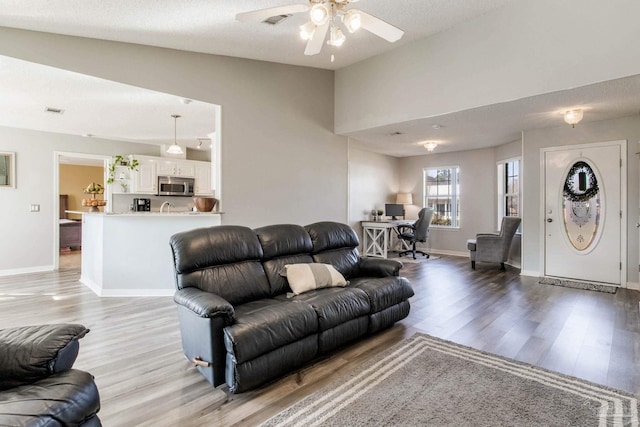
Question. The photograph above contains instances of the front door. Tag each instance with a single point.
(583, 211)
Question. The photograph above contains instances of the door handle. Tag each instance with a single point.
(549, 220)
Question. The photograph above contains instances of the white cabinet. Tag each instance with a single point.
(203, 179)
(121, 180)
(145, 179)
(177, 168)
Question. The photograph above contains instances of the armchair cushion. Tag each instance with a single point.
(32, 353)
(307, 277)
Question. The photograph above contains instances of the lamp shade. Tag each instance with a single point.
(404, 198)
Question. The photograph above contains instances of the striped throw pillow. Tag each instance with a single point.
(307, 277)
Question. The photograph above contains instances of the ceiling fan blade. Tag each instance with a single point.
(314, 46)
(262, 14)
(380, 28)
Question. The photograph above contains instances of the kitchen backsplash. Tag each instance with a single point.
(121, 202)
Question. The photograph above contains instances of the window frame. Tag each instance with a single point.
(502, 193)
(454, 195)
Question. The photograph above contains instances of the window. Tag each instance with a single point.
(508, 189)
(442, 193)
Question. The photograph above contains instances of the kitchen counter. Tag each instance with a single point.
(128, 254)
(177, 213)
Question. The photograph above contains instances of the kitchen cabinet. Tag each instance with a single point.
(184, 168)
(121, 180)
(145, 179)
(203, 179)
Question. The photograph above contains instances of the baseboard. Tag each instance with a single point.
(27, 270)
(530, 273)
(97, 289)
(633, 285)
(446, 252)
(109, 293)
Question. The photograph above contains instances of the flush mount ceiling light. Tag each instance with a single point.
(325, 16)
(573, 117)
(175, 148)
(430, 146)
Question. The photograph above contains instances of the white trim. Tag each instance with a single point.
(622, 144)
(110, 293)
(447, 252)
(56, 194)
(633, 285)
(26, 270)
(530, 273)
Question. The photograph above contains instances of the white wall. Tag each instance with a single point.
(373, 181)
(607, 130)
(27, 237)
(281, 161)
(527, 48)
(477, 194)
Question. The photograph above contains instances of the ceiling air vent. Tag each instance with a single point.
(274, 20)
(54, 110)
(396, 133)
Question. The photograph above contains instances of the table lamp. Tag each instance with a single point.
(404, 199)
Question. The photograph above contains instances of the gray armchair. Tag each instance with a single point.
(494, 247)
(417, 232)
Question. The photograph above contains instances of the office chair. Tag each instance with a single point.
(416, 232)
(493, 247)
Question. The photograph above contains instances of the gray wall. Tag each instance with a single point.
(281, 161)
(527, 48)
(477, 194)
(27, 237)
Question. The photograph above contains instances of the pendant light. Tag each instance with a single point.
(175, 148)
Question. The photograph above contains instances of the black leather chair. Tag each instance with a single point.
(38, 386)
(416, 232)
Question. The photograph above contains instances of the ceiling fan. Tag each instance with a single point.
(325, 17)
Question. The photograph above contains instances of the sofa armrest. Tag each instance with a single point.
(377, 267)
(32, 353)
(205, 304)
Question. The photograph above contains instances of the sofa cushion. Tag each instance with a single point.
(65, 399)
(307, 277)
(223, 260)
(334, 306)
(264, 325)
(283, 244)
(336, 244)
(385, 291)
(31, 353)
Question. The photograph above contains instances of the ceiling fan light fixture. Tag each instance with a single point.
(352, 20)
(336, 38)
(175, 148)
(319, 14)
(307, 30)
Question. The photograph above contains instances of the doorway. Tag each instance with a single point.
(584, 210)
(72, 173)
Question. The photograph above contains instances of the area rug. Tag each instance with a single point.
(425, 381)
(578, 285)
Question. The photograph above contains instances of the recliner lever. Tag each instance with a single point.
(197, 361)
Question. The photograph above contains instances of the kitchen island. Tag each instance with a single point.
(128, 254)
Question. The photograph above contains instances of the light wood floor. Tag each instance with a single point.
(134, 350)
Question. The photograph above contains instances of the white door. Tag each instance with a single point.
(583, 223)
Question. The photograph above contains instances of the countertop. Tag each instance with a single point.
(176, 213)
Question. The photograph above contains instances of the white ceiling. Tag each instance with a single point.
(117, 111)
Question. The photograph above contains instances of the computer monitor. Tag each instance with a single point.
(394, 210)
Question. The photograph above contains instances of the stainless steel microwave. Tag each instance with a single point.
(175, 186)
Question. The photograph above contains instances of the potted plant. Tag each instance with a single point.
(119, 160)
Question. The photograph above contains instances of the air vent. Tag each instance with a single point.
(54, 110)
(275, 20)
(396, 133)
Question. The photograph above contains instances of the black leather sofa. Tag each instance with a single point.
(237, 321)
(38, 386)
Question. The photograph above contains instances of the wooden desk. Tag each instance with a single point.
(376, 236)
